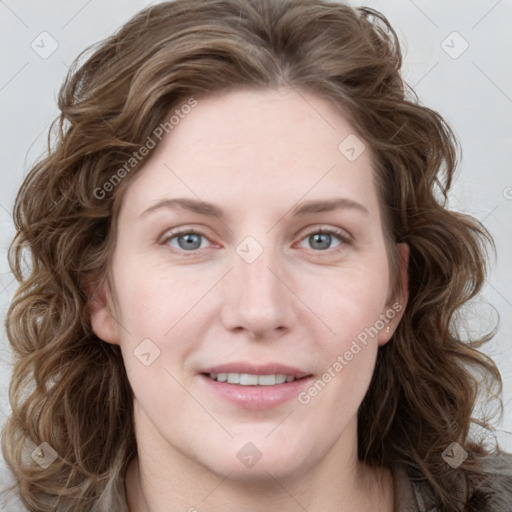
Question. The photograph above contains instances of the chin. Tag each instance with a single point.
(249, 461)
(263, 470)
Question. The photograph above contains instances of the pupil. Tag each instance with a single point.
(191, 241)
(318, 239)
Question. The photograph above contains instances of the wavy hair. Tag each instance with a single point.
(69, 388)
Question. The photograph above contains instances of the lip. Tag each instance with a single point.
(256, 397)
(266, 369)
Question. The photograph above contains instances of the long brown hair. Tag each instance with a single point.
(69, 389)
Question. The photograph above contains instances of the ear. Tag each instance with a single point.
(103, 321)
(395, 306)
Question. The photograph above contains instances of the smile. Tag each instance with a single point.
(248, 379)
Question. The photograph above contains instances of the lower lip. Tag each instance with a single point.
(257, 397)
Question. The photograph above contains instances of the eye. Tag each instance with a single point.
(321, 239)
(186, 240)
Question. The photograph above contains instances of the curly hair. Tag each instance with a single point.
(70, 389)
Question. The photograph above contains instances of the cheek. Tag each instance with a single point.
(350, 302)
(162, 312)
(152, 298)
(155, 296)
(351, 305)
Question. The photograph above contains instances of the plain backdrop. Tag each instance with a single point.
(456, 58)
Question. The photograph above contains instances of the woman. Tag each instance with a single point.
(244, 278)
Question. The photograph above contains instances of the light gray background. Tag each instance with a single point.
(472, 91)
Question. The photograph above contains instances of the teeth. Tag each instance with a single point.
(266, 380)
(234, 378)
(247, 379)
(280, 379)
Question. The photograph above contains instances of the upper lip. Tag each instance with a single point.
(253, 369)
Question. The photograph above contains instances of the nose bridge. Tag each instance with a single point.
(258, 301)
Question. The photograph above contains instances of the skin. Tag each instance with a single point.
(255, 154)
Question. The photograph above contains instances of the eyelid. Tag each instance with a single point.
(341, 233)
(170, 234)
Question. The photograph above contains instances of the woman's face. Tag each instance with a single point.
(251, 243)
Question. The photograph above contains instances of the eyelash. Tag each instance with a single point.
(342, 235)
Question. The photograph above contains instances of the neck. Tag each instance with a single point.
(166, 480)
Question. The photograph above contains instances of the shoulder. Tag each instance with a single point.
(496, 486)
(491, 491)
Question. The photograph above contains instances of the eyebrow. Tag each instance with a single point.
(327, 205)
(304, 208)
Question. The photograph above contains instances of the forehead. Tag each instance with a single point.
(267, 149)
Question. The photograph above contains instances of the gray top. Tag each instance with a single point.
(412, 496)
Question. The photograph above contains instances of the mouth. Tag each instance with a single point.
(247, 386)
(251, 379)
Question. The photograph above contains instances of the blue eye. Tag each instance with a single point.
(187, 240)
(321, 239)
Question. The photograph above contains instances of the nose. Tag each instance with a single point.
(257, 297)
